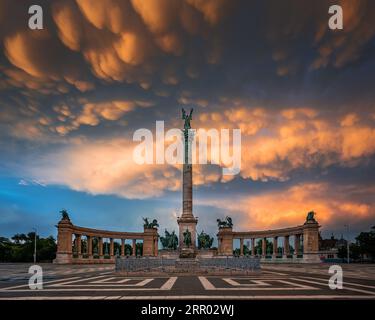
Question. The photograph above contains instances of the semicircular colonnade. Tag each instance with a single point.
(76, 244)
(305, 247)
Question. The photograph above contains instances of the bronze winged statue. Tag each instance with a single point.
(187, 118)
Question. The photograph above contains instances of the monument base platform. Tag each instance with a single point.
(187, 253)
(187, 266)
(63, 258)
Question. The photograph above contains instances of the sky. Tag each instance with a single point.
(73, 94)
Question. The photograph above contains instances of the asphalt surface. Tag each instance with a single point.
(272, 282)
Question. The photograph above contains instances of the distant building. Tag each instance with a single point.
(328, 248)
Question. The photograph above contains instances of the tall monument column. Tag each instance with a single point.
(187, 222)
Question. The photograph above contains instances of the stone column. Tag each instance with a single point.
(156, 247)
(111, 248)
(264, 247)
(122, 247)
(253, 247)
(241, 246)
(286, 247)
(100, 245)
(134, 247)
(187, 178)
(89, 246)
(187, 219)
(79, 245)
(296, 245)
(274, 247)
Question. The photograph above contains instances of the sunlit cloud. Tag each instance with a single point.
(289, 206)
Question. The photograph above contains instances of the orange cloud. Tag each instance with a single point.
(274, 143)
(158, 15)
(68, 24)
(22, 51)
(131, 48)
(288, 207)
(92, 113)
(213, 10)
(120, 40)
(107, 167)
(339, 49)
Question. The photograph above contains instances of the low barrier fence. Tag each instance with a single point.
(145, 264)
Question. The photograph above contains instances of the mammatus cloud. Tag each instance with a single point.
(122, 41)
(331, 49)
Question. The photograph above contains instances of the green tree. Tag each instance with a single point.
(46, 249)
(19, 238)
(21, 248)
(5, 249)
(366, 243)
(354, 252)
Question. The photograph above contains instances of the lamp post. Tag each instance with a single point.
(34, 245)
(347, 242)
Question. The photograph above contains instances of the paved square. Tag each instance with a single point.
(272, 282)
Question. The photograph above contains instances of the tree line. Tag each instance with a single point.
(20, 248)
(362, 249)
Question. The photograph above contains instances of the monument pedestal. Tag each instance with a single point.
(187, 265)
(188, 253)
(189, 223)
(64, 254)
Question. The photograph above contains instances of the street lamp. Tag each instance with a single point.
(347, 242)
(34, 245)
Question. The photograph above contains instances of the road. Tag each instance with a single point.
(272, 282)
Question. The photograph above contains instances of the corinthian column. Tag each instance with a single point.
(187, 221)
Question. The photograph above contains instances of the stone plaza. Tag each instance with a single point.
(101, 282)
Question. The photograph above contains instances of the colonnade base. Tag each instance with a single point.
(63, 258)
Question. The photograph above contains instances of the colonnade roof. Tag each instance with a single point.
(107, 234)
(298, 230)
